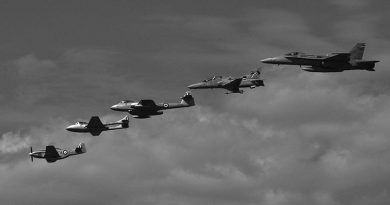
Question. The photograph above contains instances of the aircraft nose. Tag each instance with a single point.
(194, 86)
(70, 128)
(115, 107)
(268, 60)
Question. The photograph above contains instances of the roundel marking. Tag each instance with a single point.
(65, 152)
(166, 105)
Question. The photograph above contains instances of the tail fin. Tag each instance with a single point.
(357, 51)
(253, 74)
(124, 122)
(81, 149)
(188, 99)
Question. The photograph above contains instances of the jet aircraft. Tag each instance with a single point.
(231, 84)
(95, 126)
(146, 108)
(52, 154)
(334, 62)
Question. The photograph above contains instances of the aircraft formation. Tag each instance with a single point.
(145, 108)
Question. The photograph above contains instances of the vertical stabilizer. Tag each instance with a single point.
(81, 148)
(255, 74)
(124, 122)
(357, 51)
(188, 99)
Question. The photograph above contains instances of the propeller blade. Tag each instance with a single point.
(32, 158)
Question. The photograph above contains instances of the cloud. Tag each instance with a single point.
(197, 155)
(30, 67)
(358, 28)
(305, 138)
(350, 4)
(13, 142)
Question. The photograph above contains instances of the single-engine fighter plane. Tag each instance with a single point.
(334, 62)
(146, 108)
(231, 84)
(95, 126)
(52, 154)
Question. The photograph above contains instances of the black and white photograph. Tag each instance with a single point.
(194, 102)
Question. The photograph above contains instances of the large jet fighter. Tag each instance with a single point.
(334, 62)
(52, 154)
(146, 108)
(95, 126)
(231, 84)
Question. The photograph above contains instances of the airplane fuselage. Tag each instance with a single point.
(40, 154)
(319, 65)
(221, 84)
(52, 154)
(146, 108)
(83, 128)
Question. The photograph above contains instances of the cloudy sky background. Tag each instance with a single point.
(304, 138)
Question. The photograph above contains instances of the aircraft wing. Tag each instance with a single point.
(233, 85)
(51, 160)
(338, 57)
(95, 132)
(95, 122)
(147, 103)
(51, 152)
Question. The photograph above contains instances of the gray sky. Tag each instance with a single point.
(304, 138)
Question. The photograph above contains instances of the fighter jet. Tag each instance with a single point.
(95, 126)
(52, 154)
(146, 108)
(231, 84)
(334, 62)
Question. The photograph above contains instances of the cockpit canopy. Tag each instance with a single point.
(294, 54)
(213, 78)
(126, 101)
(81, 123)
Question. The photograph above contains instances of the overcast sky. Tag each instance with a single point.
(303, 139)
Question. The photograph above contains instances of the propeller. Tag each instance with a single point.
(32, 158)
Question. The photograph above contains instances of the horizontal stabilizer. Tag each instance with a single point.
(367, 61)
